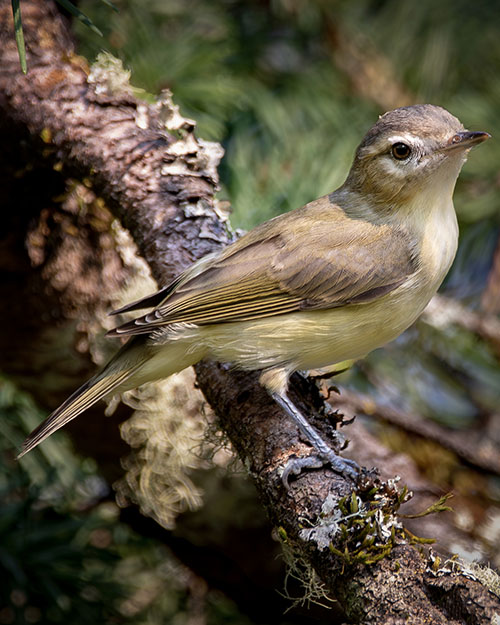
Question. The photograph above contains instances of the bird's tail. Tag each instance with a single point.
(88, 394)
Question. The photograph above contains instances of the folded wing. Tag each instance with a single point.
(291, 263)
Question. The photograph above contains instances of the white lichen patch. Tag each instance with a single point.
(109, 76)
(487, 576)
(170, 114)
(188, 155)
(363, 528)
(323, 533)
(193, 157)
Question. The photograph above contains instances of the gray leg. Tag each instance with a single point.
(325, 455)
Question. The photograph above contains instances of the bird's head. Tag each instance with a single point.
(408, 151)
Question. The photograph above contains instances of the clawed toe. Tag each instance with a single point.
(344, 466)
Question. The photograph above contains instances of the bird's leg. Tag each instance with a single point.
(325, 455)
(324, 407)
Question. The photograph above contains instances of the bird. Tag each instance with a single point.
(315, 286)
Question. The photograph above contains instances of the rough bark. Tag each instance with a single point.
(162, 187)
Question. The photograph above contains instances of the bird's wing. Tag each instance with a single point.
(157, 298)
(313, 258)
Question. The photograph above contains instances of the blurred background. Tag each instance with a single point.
(288, 87)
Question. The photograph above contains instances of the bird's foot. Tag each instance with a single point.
(324, 453)
(344, 466)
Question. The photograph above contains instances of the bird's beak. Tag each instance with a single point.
(465, 140)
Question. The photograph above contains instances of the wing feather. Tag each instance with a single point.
(275, 269)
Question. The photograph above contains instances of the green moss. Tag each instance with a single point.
(364, 527)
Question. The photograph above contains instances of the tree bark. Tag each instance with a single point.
(160, 184)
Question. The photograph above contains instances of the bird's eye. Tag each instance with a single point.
(400, 151)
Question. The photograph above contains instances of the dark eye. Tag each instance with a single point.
(400, 151)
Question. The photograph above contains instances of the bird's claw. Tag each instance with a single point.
(344, 466)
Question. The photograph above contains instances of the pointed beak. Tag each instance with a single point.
(466, 140)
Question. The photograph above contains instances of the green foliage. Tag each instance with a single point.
(71, 8)
(263, 79)
(254, 81)
(66, 4)
(64, 555)
(53, 564)
(18, 29)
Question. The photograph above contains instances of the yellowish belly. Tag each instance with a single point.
(315, 339)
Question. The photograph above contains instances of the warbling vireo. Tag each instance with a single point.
(327, 282)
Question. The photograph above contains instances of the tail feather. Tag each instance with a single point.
(88, 394)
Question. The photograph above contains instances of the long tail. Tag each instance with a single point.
(88, 394)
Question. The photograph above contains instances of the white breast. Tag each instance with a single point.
(432, 219)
